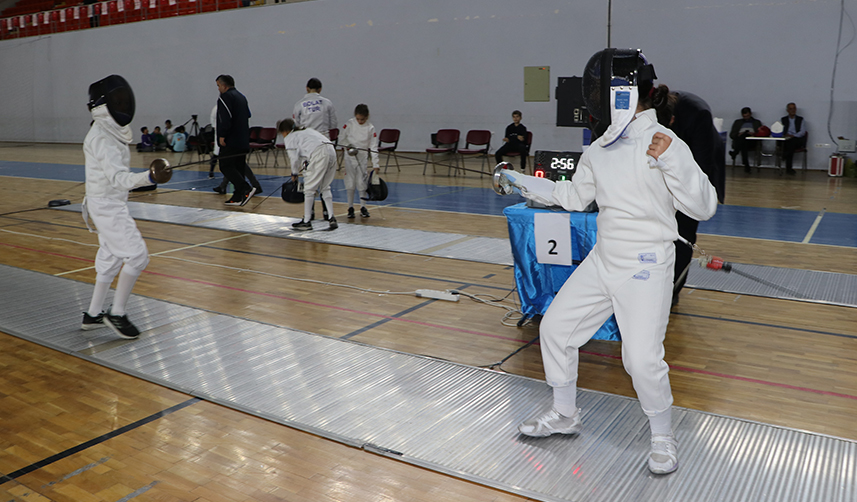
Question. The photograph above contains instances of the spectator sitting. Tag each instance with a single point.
(515, 140)
(741, 128)
(159, 140)
(794, 131)
(145, 144)
(169, 131)
(179, 138)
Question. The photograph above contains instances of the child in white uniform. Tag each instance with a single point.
(639, 181)
(108, 181)
(320, 170)
(359, 138)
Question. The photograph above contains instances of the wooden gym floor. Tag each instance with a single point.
(74, 431)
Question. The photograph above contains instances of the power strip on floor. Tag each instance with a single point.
(437, 295)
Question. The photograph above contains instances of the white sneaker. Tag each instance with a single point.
(663, 458)
(551, 423)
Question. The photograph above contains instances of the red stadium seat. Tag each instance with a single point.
(29, 24)
(187, 7)
(55, 21)
(105, 13)
(209, 5)
(133, 10)
(73, 16)
(114, 16)
(228, 4)
(169, 8)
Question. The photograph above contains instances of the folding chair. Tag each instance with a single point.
(389, 136)
(476, 137)
(447, 141)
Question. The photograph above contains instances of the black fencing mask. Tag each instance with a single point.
(612, 83)
(115, 92)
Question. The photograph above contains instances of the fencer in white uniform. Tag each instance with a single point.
(639, 173)
(314, 111)
(121, 249)
(320, 169)
(360, 141)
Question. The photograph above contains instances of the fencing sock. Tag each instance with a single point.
(662, 423)
(327, 200)
(96, 305)
(123, 290)
(565, 400)
(309, 201)
(350, 198)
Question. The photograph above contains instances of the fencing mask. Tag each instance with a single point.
(115, 92)
(376, 188)
(612, 83)
(293, 193)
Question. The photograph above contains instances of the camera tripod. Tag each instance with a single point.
(194, 141)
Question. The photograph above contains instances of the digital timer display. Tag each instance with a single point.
(555, 166)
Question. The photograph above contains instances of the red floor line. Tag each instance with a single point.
(371, 314)
(459, 330)
(343, 309)
(739, 378)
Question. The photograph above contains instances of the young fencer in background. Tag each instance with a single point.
(320, 170)
(109, 178)
(639, 173)
(359, 138)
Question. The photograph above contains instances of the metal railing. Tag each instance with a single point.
(107, 13)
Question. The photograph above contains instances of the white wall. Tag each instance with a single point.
(421, 66)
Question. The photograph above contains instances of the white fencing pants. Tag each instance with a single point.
(120, 242)
(640, 297)
(318, 176)
(356, 177)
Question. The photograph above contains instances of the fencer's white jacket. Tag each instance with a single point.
(637, 201)
(108, 158)
(362, 136)
(301, 143)
(314, 111)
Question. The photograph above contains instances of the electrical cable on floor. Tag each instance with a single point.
(498, 366)
(493, 301)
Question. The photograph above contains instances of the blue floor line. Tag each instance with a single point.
(731, 221)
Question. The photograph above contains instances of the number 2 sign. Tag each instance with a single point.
(553, 238)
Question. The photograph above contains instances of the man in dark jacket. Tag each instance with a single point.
(515, 140)
(693, 123)
(741, 128)
(233, 136)
(795, 134)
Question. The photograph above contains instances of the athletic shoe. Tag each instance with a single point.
(233, 202)
(221, 191)
(90, 322)
(364, 212)
(247, 197)
(663, 458)
(121, 326)
(211, 175)
(333, 224)
(350, 213)
(258, 191)
(302, 225)
(551, 423)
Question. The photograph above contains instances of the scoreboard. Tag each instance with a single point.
(555, 166)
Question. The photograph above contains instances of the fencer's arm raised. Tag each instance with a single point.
(692, 193)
